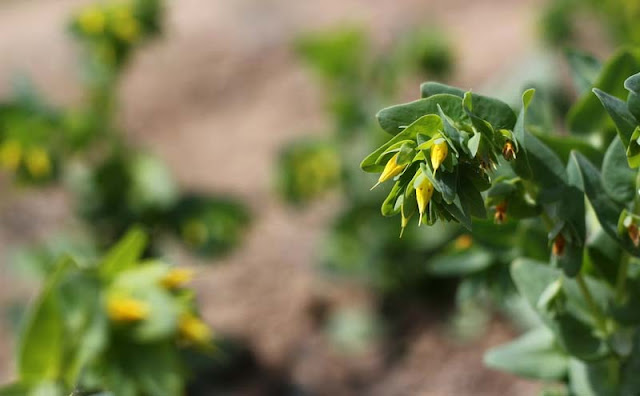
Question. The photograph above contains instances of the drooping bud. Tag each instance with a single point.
(404, 221)
(424, 192)
(92, 20)
(38, 162)
(500, 216)
(176, 278)
(127, 309)
(558, 246)
(634, 234)
(391, 170)
(439, 152)
(10, 155)
(463, 242)
(508, 151)
(193, 329)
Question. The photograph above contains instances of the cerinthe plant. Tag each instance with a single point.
(454, 155)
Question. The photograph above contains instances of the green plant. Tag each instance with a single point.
(113, 184)
(117, 324)
(456, 156)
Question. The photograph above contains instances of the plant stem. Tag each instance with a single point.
(593, 307)
(621, 281)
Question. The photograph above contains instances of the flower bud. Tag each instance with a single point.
(439, 152)
(391, 170)
(176, 278)
(92, 20)
(10, 155)
(558, 246)
(127, 309)
(424, 192)
(508, 151)
(193, 329)
(500, 216)
(38, 162)
(634, 234)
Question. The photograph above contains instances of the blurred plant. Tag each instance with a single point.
(455, 154)
(560, 20)
(114, 325)
(114, 185)
(357, 79)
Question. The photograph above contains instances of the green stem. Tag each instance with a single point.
(593, 307)
(621, 281)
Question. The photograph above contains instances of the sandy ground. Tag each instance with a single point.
(224, 77)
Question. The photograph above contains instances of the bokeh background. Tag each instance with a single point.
(216, 97)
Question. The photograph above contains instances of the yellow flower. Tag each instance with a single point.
(463, 242)
(193, 329)
(92, 20)
(439, 152)
(10, 155)
(38, 162)
(424, 192)
(391, 170)
(176, 278)
(127, 29)
(127, 309)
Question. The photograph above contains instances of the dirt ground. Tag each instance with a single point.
(224, 76)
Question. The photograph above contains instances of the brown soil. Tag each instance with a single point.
(216, 98)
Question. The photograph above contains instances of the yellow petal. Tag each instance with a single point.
(127, 309)
(439, 152)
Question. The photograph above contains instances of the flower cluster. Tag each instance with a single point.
(444, 149)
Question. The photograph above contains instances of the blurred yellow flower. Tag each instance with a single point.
(439, 152)
(463, 242)
(127, 29)
(176, 278)
(391, 170)
(38, 162)
(10, 155)
(127, 309)
(193, 329)
(92, 20)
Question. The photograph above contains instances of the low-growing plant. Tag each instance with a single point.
(457, 156)
(115, 325)
(113, 184)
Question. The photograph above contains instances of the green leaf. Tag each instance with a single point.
(125, 254)
(496, 112)
(630, 383)
(16, 389)
(587, 115)
(584, 69)
(522, 166)
(572, 326)
(618, 179)
(427, 125)
(460, 264)
(592, 379)
(562, 146)
(619, 113)
(607, 211)
(605, 255)
(41, 349)
(396, 118)
(633, 151)
(533, 355)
